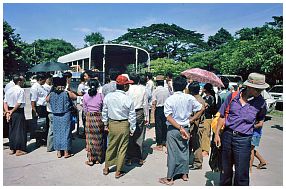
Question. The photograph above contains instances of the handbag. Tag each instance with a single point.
(215, 161)
(41, 125)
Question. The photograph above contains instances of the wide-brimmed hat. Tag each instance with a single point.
(122, 80)
(256, 80)
(160, 78)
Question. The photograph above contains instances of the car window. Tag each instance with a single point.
(234, 79)
(276, 89)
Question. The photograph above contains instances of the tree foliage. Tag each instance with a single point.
(18, 55)
(93, 38)
(219, 39)
(13, 55)
(163, 40)
(44, 50)
(161, 66)
(258, 49)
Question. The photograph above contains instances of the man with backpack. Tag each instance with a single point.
(247, 111)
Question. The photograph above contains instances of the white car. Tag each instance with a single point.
(277, 93)
(270, 101)
(234, 80)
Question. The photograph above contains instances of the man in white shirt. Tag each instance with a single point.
(39, 110)
(9, 85)
(14, 103)
(118, 114)
(178, 109)
(48, 86)
(150, 86)
(138, 94)
(159, 96)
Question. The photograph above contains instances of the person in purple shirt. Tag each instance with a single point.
(247, 111)
(92, 106)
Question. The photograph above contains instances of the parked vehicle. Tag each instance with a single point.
(270, 101)
(277, 93)
(233, 80)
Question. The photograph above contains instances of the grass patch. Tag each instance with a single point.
(276, 113)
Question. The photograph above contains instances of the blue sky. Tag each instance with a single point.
(72, 22)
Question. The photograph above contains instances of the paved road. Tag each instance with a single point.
(40, 168)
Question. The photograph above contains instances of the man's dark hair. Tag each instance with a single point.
(113, 72)
(194, 88)
(142, 79)
(67, 75)
(41, 76)
(89, 73)
(17, 78)
(225, 82)
(82, 77)
(135, 77)
(169, 74)
(59, 81)
(149, 75)
(179, 83)
(160, 83)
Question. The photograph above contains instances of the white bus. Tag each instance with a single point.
(103, 57)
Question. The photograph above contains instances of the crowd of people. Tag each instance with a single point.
(114, 117)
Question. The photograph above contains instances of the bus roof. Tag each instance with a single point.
(111, 49)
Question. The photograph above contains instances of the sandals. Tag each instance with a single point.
(67, 154)
(59, 154)
(105, 171)
(20, 153)
(166, 181)
(141, 162)
(121, 174)
(261, 166)
(90, 163)
(185, 177)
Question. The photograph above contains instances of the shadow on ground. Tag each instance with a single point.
(78, 144)
(212, 178)
(277, 127)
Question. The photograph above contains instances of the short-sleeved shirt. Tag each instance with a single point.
(160, 94)
(48, 89)
(15, 95)
(38, 94)
(9, 85)
(92, 103)
(181, 106)
(242, 118)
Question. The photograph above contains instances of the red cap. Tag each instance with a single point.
(122, 80)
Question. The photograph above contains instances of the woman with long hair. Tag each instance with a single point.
(92, 106)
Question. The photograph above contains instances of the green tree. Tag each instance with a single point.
(220, 38)
(13, 56)
(163, 40)
(44, 50)
(93, 38)
(163, 65)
